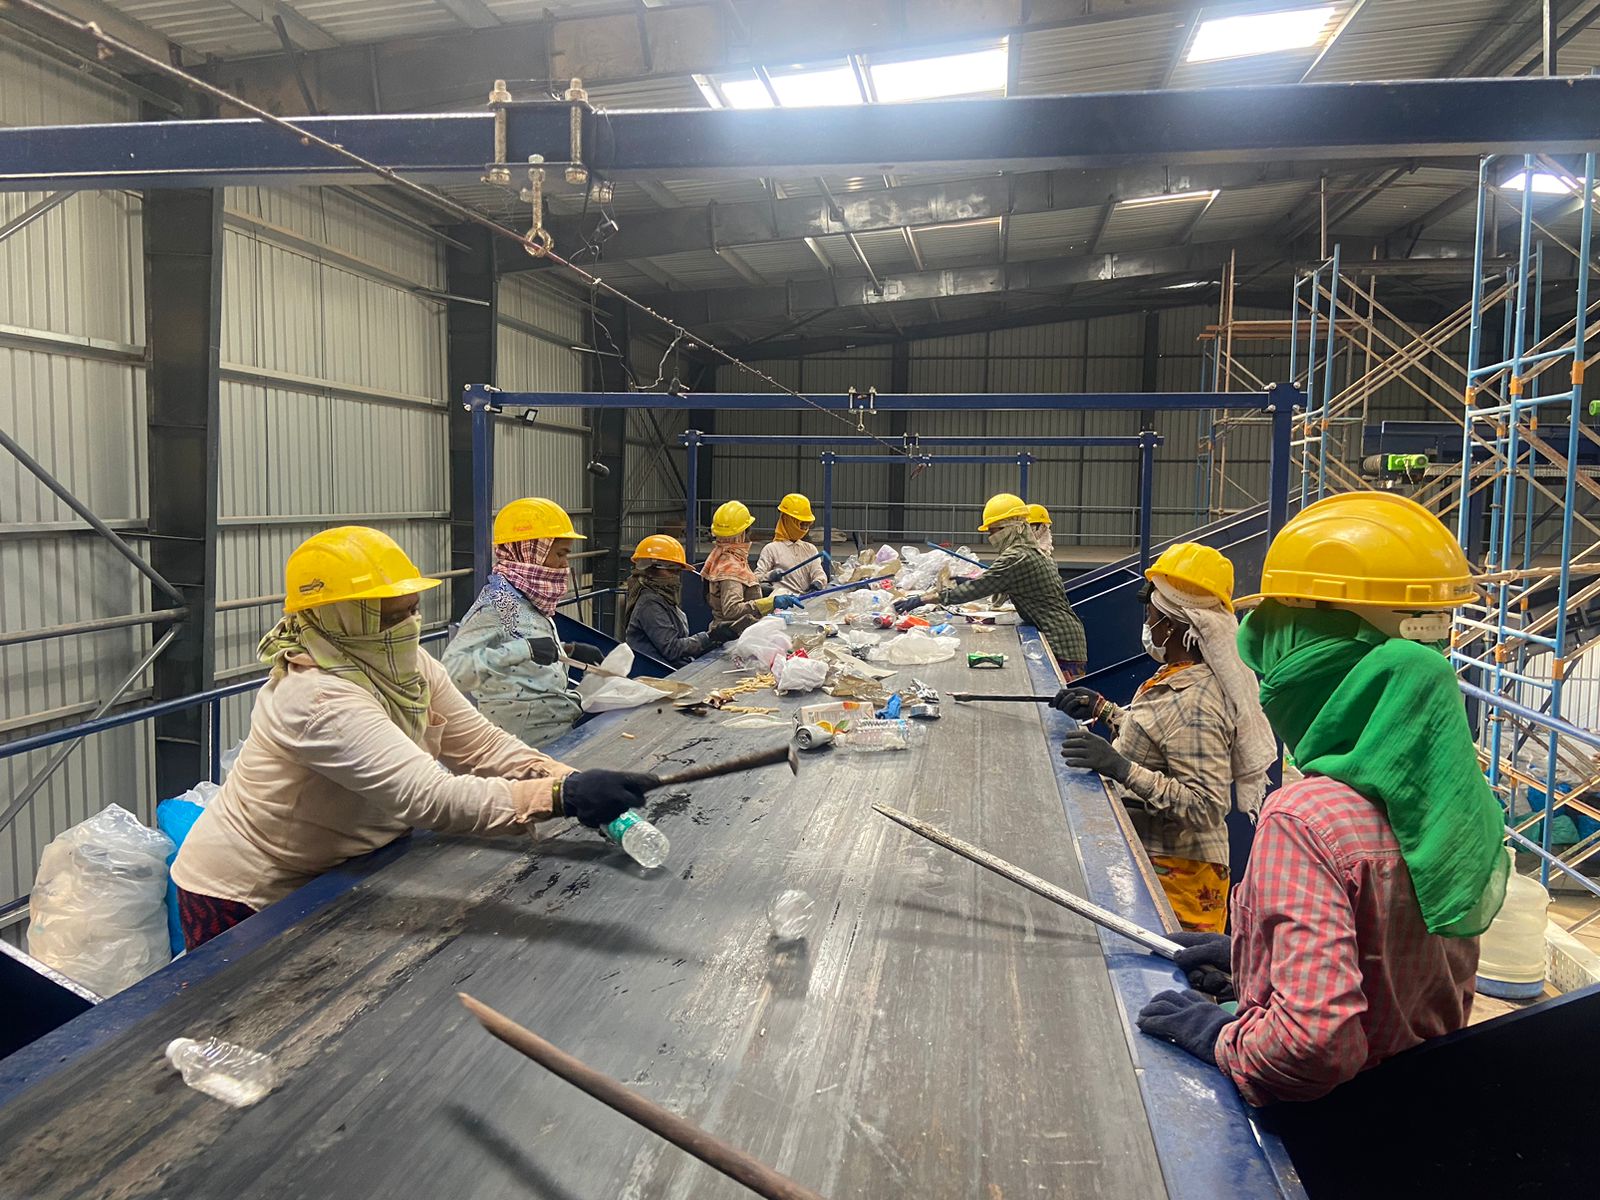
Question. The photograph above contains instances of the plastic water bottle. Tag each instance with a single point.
(222, 1070)
(875, 734)
(790, 915)
(645, 844)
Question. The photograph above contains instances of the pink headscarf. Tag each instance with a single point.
(730, 560)
(521, 564)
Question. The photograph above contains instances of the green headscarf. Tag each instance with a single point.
(1384, 715)
(347, 639)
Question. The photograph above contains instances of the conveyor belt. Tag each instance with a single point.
(942, 1033)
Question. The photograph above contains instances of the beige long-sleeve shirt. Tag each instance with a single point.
(780, 556)
(325, 775)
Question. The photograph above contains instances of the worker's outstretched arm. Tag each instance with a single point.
(1297, 969)
(993, 580)
(350, 739)
(476, 745)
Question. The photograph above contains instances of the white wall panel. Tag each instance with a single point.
(76, 272)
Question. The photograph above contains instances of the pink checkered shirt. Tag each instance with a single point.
(1333, 965)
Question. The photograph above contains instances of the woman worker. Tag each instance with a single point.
(779, 564)
(651, 609)
(347, 740)
(732, 590)
(1355, 927)
(1039, 525)
(1192, 739)
(1022, 573)
(506, 656)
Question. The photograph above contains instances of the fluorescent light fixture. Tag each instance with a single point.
(1169, 198)
(817, 87)
(1259, 33)
(1544, 184)
(975, 73)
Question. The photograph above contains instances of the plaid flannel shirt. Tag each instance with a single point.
(1334, 967)
(1179, 737)
(1034, 585)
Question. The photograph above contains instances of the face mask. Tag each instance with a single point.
(1159, 653)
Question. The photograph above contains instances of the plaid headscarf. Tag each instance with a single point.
(521, 564)
(346, 639)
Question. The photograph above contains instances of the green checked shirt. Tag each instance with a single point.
(1034, 585)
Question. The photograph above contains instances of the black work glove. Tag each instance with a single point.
(597, 798)
(722, 633)
(589, 656)
(1093, 753)
(1079, 703)
(1188, 1020)
(543, 651)
(909, 604)
(1207, 958)
(774, 576)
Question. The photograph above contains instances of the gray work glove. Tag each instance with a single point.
(1093, 753)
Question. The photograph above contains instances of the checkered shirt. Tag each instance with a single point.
(1179, 738)
(1333, 965)
(1034, 585)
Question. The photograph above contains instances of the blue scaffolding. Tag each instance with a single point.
(1516, 649)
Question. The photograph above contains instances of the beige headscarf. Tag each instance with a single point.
(348, 639)
(1216, 631)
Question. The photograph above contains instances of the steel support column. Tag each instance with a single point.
(471, 332)
(608, 446)
(1284, 400)
(183, 320)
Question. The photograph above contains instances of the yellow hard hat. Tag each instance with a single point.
(351, 562)
(796, 506)
(659, 548)
(1038, 515)
(730, 519)
(1367, 548)
(1196, 569)
(532, 518)
(1004, 507)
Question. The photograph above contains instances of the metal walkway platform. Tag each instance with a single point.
(941, 1033)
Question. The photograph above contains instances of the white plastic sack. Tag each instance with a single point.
(800, 674)
(886, 555)
(598, 693)
(761, 644)
(916, 647)
(919, 572)
(98, 911)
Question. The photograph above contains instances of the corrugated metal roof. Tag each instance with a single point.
(1406, 39)
(966, 244)
(1051, 234)
(1141, 226)
(1108, 57)
(698, 269)
(207, 26)
(1241, 210)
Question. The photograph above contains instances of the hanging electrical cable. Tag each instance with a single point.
(536, 242)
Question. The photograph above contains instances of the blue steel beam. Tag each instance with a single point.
(912, 441)
(930, 402)
(1286, 122)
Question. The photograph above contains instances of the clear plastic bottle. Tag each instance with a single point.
(789, 915)
(874, 734)
(223, 1070)
(645, 844)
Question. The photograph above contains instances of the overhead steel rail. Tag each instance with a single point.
(1283, 122)
(1280, 402)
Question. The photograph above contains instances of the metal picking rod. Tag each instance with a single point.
(736, 1164)
(1153, 942)
(1024, 698)
(732, 766)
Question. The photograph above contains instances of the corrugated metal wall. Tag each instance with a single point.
(333, 398)
(1092, 491)
(72, 393)
(656, 473)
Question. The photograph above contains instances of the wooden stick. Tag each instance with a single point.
(1025, 698)
(732, 766)
(1153, 942)
(713, 1151)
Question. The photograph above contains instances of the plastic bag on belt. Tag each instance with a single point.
(916, 647)
(598, 693)
(98, 911)
(798, 674)
(762, 643)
